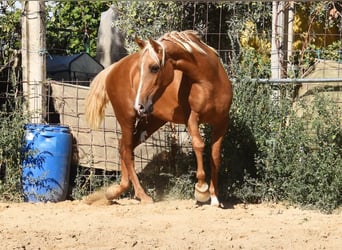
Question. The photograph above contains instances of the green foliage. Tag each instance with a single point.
(69, 21)
(316, 179)
(313, 52)
(11, 116)
(146, 19)
(318, 34)
(11, 134)
(269, 152)
(87, 180)
(9, 33)
(182, 187)
(297, 159)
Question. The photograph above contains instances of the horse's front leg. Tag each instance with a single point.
(139, 192)
(114, 191)
(129, 141)
(201, 187)
(143, 130)
(215, 160)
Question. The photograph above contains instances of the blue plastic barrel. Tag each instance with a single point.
(46, 162)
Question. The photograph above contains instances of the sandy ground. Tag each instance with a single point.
(173, 224)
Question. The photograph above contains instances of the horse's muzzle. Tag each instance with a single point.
(144, 109)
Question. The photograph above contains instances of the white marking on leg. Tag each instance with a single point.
(214, 201)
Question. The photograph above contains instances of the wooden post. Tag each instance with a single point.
(277, 53)
(33, 59)
(291, 71)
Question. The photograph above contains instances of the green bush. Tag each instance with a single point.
(11, 135)
(146, 19)
(11, 115)
(297, 159)
(269, 153)
(272, 153)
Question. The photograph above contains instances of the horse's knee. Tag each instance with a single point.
(198, 145)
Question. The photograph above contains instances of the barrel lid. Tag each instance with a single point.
(47, 127)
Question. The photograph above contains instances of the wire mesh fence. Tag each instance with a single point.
(284, 42)
(98, 150)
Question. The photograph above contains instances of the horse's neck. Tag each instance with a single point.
(207, 73)
(188, 69)
(191, 64)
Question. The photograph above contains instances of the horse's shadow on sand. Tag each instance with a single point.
(175, 169)
(171, 174)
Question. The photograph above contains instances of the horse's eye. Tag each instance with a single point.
(154, 69)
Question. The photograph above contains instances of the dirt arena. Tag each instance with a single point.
(174, 224)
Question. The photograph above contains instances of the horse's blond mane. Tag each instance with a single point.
(153, 54)
(189, 40)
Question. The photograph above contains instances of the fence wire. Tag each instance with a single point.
(295, 43)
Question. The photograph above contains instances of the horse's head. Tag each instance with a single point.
(156, 73)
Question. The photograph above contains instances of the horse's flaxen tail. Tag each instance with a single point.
(97, 99)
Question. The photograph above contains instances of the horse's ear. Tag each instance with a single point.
(155, 45)
(141, 43)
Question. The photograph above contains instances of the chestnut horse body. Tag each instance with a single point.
(176, 78)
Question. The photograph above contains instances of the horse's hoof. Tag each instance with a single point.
(112, 192)
(144, 198)
(148, 200)
(214, 202)
(202, 193)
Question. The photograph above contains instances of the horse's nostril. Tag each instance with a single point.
(144, 110)
(141, 109)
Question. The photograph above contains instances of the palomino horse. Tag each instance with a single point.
(177, 78)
